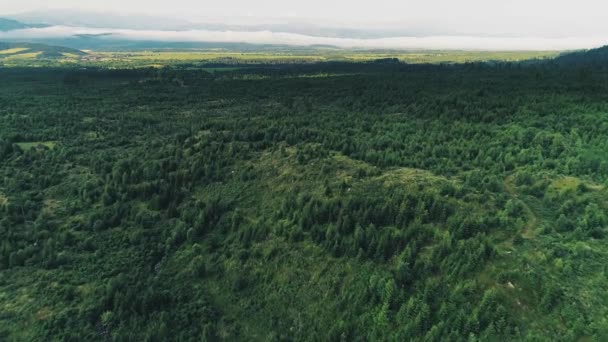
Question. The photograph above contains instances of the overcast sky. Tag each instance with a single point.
(538, 18)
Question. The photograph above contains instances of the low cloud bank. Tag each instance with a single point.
(268, 37)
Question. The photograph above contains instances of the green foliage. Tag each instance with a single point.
(378, 202)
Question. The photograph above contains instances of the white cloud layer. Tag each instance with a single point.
(267, 37)
(531, 18)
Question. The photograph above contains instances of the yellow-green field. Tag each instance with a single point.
(158, 59)
(456, 56)
(161, 57)
(28, 55)
(12, 51)
(36, 144)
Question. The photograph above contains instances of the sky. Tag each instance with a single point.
(557, 23)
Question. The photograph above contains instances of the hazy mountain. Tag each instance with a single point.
(140, 22)
(10, 24)
(101, 20)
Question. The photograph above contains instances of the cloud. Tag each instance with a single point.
(268, 37)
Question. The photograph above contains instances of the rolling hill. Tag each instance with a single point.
(39, 51)
(594, 57)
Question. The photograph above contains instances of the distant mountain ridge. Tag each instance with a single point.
(100, 20)
(141, 22)
(10, 24)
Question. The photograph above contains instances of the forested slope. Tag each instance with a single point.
(328, 202)
(594, 58)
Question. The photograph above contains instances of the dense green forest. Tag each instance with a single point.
(321, 202)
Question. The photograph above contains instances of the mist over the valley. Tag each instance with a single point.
(101, 29)
(296, 39)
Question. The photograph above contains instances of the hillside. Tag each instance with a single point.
(594, 57)
(36, 51)
(9, 24)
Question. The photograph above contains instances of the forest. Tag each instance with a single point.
(326, 201)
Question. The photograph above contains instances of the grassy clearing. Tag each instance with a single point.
(35, 144)
(70, 55)
(13, 51)
(347, 168)
(412, 177)
(50, 206)
(567, 183)
(20, 56)
(91, 136)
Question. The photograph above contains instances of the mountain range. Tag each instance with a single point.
(10, 24)
(141, 22)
